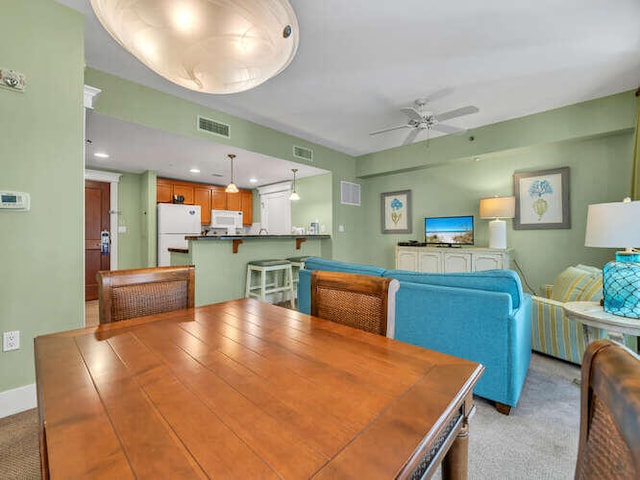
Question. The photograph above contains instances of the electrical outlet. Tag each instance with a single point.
(11, 340)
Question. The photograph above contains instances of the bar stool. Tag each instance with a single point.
(262, 289)
(297, 263)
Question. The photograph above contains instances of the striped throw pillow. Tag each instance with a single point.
(577, 284)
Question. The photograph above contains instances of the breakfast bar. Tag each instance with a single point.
(221, 261)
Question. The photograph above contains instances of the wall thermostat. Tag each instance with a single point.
(16, 201)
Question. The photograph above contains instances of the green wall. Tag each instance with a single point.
(149, 246)
(221, 274)
(583, 120)
(316, 202)
(598, 151)
(41, 254)
(130, 216)
(134, 103)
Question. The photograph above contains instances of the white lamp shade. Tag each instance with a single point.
(613, 225)
(212, 46)
(497, 207)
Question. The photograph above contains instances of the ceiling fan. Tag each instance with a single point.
(421, 119)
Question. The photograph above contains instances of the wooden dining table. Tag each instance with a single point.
(245, 389)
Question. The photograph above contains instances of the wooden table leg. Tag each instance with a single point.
(456, 461)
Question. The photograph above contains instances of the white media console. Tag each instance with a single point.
(451, 259)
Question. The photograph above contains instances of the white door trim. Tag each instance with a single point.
(113, 179)
(275, 187)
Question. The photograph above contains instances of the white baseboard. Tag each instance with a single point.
(18, 400)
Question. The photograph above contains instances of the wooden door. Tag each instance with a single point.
(275, 213)
(96, 220)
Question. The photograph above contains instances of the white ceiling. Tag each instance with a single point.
(135, 148)
(360, 61)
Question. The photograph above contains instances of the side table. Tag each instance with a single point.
(592, 316)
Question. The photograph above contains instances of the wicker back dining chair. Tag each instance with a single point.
(360, 301)
(609, 446)
(138, 292)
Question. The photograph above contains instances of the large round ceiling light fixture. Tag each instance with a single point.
(212, 46)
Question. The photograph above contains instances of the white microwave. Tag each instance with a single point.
(226, 219)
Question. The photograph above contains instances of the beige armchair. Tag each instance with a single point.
(552, 332)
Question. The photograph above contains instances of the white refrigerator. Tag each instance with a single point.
(174, 223)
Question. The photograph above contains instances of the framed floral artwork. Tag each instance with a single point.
(396, 212)
(542, 199)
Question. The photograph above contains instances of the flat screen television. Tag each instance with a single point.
(449, 231)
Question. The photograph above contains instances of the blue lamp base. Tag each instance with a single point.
(621, 285)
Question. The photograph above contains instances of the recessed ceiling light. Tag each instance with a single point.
(195, 170)
(253, 180)
(101, 155)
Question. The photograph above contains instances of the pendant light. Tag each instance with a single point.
(210, 46)
(231, 188)
(294, 195)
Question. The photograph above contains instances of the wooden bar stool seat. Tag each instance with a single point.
(276, 284)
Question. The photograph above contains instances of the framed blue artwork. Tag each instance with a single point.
(396, 212)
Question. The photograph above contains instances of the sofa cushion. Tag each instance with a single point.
(506, 281)
(315, 263)
(578, 284)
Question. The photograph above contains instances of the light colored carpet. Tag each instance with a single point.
(538, 441)
(19, 450)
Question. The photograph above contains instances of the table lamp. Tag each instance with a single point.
(497, 208)
(617, 225)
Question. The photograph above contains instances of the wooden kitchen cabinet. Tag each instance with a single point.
(218, 198)
(247, 206)
(209, 197)
(186, 190)
(234, 201)
(164, 191)
(202, 197)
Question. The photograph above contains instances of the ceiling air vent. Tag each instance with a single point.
(303, 153)
(214, 127)
(349, 193)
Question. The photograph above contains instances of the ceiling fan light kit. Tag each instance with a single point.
(421, 119)
(211, 46)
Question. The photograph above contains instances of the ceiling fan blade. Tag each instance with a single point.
(458, 112)
(412, 113)
(411, 137)
(441, 127)
(390, 129)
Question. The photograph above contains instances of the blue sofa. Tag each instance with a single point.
(479, 316)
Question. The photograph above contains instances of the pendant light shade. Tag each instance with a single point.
(212, 46)
(232, 187)
(294, 195)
